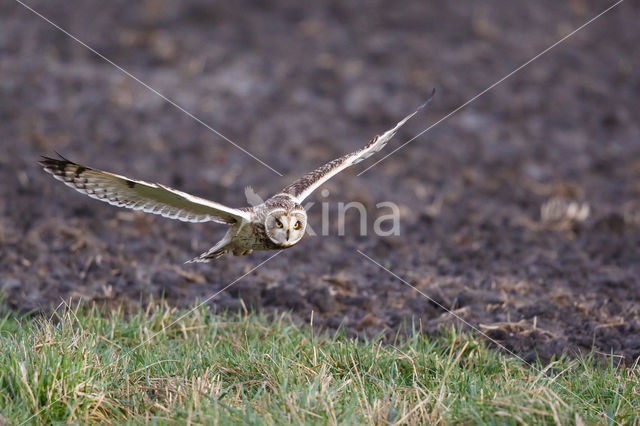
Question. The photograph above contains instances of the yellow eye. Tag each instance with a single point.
(278, 224)
(297, 225)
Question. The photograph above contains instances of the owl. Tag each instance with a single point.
(275, 224)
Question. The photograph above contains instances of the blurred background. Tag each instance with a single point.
(521, 212)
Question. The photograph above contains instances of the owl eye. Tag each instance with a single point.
(278, 224)
(297, 225)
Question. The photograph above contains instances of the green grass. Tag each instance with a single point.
(83, 366)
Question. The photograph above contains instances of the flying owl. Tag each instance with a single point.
(275, 224)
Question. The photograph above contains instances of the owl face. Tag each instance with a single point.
(285, 228)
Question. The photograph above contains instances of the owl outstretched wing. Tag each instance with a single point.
(303, 187)
(138, 195)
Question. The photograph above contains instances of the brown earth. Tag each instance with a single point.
(298, 84)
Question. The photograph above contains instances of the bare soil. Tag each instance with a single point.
(488, 229)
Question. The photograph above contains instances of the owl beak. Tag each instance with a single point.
(287, 235)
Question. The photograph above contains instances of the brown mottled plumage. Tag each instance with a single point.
(274, 224)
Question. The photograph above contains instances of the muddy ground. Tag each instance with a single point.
(488, 228)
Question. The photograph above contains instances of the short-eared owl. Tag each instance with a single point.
(277, 223)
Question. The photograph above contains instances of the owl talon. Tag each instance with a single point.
(242, 252)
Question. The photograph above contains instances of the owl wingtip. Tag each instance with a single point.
(62, 157)
(48, 161)
(433, 93)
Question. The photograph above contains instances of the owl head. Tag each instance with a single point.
(285, 227)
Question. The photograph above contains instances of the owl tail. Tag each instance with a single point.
(214, 252)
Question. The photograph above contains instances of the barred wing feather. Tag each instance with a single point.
(303, 187)
(139, 195)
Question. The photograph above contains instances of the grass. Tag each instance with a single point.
(81, 366)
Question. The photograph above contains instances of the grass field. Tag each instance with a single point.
(167, 366)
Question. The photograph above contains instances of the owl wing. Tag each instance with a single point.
(304, 186)
(138, 195)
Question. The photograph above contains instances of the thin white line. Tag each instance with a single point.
(476, 329)
(148, 87)
(494, 85)
(164, 328)
(206, 300)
